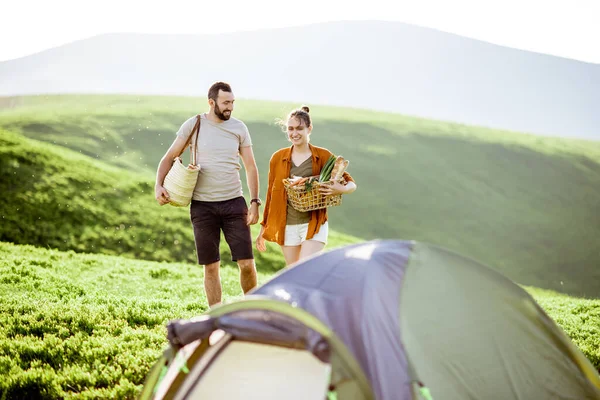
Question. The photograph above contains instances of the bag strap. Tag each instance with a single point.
(196, 128)
(195, 149)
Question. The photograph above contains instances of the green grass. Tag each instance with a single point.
(525, 205)
(82, 326)
(579, 318)
(89, 326)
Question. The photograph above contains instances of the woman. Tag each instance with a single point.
(300, 234)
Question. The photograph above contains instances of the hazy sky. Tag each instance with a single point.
(567, 28)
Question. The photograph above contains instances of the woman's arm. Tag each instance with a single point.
(337, 188)
(271, 179)
(260, 240)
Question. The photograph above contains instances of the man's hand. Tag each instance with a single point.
(161, 195)
(252, 214)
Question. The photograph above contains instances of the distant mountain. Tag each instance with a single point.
(386, 66)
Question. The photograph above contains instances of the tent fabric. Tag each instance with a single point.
(415, 313)
(355, 291)
(258, 320)
(252, 370)
(388, 317)
(252, 325)
(472, 333)
(346, 374)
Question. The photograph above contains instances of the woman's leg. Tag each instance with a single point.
(310, 247)
(316, 243)
(291, 254)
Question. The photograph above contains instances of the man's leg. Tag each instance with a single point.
(238, 237)
(247, 274)
(212, 283)
(207, 236)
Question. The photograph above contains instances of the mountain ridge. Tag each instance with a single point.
(387, 66)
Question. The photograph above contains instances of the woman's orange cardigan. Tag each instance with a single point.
(275, 212)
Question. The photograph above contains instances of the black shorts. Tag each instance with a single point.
(209, 218)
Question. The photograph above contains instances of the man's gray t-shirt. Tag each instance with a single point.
(218, 157)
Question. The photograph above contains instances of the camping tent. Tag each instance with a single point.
(382, 319)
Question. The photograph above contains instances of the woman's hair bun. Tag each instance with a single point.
(305, 109)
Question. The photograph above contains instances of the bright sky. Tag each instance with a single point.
(567, 28)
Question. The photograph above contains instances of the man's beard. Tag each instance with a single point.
(219, 114)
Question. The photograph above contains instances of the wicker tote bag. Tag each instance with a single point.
(181, 180)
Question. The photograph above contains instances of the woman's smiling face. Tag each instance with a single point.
(297, 131)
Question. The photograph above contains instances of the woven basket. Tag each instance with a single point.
(302, 200)
(180, 181)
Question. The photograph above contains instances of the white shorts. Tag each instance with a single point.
(296, 234)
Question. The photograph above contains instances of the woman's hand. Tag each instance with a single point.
(332, 188)
(261, 243)
(260, 240)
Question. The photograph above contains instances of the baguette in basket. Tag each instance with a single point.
(338, 169)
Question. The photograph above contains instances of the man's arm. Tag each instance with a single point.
(247, 156)
(164, 166)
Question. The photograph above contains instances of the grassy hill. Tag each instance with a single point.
(525, 205)
(61, 199)
(84, 326)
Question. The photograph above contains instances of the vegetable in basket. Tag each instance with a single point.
(334, 169)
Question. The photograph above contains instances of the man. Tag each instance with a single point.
(217, 202)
